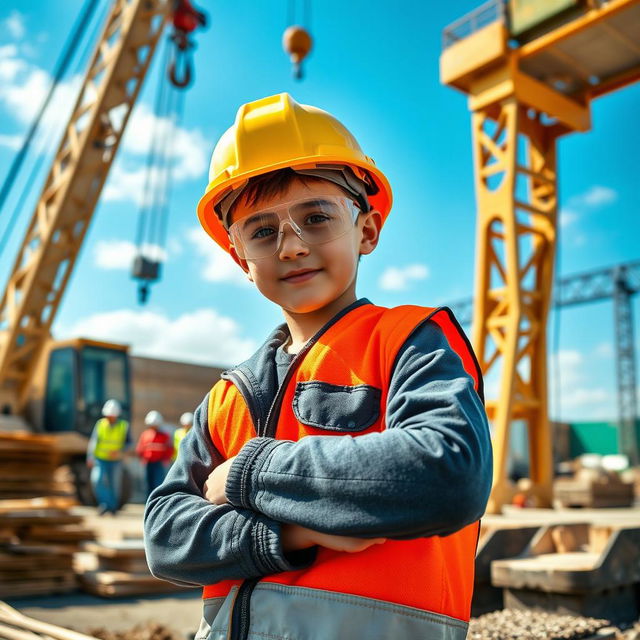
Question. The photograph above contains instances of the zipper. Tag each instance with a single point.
(240, 613)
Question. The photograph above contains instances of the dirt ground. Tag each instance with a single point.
(82, 612)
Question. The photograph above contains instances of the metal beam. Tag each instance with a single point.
(619, 283)
(62, 215)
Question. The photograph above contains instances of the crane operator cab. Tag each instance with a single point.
(72, 381)
(81, 376)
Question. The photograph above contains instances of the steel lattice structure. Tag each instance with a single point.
(64, 210)
(618, 283)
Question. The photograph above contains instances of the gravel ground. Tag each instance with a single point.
(511, 624)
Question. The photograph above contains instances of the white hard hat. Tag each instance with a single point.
(186, 419)
(153, 418)
(111, 408)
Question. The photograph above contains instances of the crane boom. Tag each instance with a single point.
(64, 210)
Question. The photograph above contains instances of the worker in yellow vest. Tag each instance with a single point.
(109, 441)
(186, 422)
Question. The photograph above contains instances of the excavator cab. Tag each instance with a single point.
(81, 376)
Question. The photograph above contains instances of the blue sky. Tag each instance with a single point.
(375, 67)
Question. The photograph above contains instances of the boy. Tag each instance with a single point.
(332, 485)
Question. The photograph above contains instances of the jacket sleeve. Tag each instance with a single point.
(428, 473)
(190, 541)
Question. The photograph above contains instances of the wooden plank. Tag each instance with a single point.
(38, 517)
(116, 549)
(64, 533)
(9, 505)
(38, 587)
(36, 573)
(12, 616)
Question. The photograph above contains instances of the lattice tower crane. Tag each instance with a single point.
(64, 210)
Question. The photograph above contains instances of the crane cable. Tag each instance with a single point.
(61, 66)
(45, 142)
(151, 233)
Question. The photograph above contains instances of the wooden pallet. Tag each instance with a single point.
(119, 568)
(38, 539)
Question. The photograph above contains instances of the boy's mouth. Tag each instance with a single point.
(300, 275)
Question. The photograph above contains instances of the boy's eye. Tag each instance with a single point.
(317, 218)
(263, 232)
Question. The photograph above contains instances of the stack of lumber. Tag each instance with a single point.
(28, 463)
(16, 626)
(118, 568)
(594, 489)
(38, 538)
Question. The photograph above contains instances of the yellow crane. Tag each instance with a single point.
(64, 210)
(531, 69)
(60, 386)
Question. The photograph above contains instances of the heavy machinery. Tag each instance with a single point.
(531, 70)
(59, 387)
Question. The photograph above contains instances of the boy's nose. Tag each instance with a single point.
(291, 245)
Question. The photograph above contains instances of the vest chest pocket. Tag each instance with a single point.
(332, 407)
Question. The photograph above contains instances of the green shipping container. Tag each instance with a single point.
(595, 437)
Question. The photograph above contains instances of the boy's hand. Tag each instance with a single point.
(295, 537)
(215, 484)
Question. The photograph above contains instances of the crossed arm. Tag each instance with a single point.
(428, 473)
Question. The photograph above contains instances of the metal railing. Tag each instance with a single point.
(485, 14)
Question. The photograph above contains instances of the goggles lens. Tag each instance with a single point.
(314, 220)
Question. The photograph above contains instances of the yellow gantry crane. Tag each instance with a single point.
(531, 69)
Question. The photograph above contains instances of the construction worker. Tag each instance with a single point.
(109, 441)
(154, 449)
(333, 483)
(186, 422)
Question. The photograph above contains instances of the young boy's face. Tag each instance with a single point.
(334, 264)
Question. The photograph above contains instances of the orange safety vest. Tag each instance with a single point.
(435, 573)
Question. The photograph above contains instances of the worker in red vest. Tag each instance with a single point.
(331, 486)
(155, 450)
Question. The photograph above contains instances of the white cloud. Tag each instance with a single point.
(567, 216)
(119, 254)
(23, 88)
(128, 176)
(604, 350)
(218, 265)
(599, 195)
(203, 336)
(398, 278)
(579, 398)
(15, 25)
(594, 197)
(13, 142)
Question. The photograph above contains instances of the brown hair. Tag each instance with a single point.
(272, 184)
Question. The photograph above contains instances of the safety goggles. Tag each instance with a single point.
(314, 220)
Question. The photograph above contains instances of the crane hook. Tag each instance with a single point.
(186, 18)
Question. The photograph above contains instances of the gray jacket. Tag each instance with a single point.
(428, 473)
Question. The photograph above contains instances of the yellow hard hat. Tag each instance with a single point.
(275, 133)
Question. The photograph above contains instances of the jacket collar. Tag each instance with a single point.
(260, 369)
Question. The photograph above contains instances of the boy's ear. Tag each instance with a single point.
(371, 227)
(239, 261)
